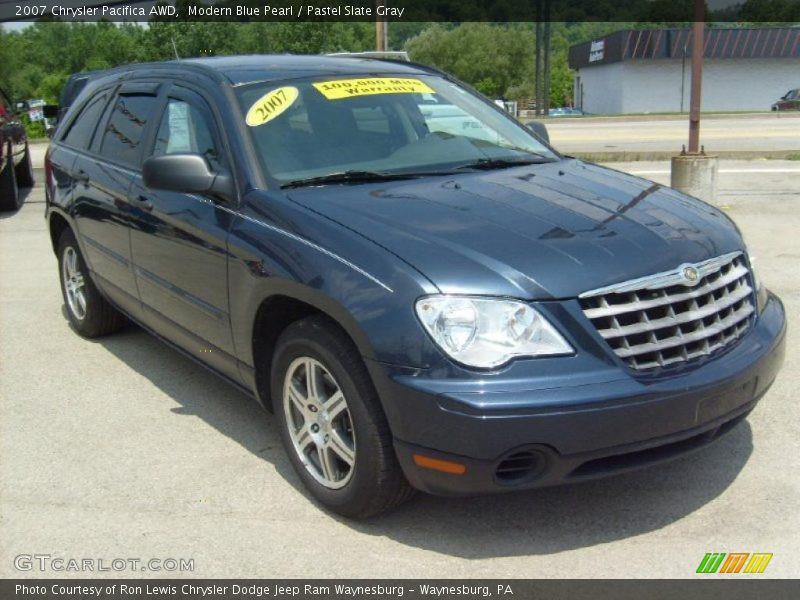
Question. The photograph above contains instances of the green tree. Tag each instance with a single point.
(5, 60)
(495, 59)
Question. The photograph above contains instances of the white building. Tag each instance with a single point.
(649, 70)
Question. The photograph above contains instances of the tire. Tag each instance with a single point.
(374, 483)
(24, 170)
(9, 192)
(89, 313)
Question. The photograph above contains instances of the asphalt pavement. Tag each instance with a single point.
(123, 448)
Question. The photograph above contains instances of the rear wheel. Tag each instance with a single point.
(331, 421)
(90, 314)
(9, 192)
(24, 170)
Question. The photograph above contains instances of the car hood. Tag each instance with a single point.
(541, 231)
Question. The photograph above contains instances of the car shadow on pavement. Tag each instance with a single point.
(543, 521)
(556, 519)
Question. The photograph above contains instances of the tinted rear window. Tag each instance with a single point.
(125, 130)
(80, 132)
(71, 90)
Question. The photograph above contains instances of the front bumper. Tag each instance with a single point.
(512, 432)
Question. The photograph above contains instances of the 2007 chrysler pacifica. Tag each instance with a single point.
(425, 294)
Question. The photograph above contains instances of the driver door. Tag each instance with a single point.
(179, 241)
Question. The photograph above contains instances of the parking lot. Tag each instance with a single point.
(730, 136)
(123, 448)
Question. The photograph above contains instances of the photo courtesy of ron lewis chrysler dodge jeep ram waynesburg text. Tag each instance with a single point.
(457, 310)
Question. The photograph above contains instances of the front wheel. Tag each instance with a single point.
(331, 421)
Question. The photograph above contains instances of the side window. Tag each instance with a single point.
(186, 128)
(125, 130)
(447, 118)
(82, 129)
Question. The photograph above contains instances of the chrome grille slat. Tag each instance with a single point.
(741, 292)
(663, 320)
(684, 339)
(615, 309)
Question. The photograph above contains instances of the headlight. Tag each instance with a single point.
(484, 332)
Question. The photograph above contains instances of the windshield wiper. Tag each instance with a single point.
(348, 177)
(503, 163)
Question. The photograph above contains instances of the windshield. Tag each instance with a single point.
(306, 129)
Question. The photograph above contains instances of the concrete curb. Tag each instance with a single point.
(683, 117)
(667, 155)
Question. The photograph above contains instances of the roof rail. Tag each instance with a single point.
(376, 54)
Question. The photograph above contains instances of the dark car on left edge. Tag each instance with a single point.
(16, 169)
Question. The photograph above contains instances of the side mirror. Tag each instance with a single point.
(538, 129)
(187, 173)
(50, 111)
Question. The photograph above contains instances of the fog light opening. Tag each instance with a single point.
(520, 467)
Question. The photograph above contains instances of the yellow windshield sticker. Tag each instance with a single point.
(271, 105)
(350, 88)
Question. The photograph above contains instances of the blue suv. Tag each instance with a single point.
(424, 292)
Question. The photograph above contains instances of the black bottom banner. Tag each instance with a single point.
(322, 589)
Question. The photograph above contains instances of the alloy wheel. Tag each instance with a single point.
(74, 284)
(319, 422)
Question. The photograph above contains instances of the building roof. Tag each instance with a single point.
(655, 44)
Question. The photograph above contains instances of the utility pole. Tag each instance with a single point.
(537, 89)
(546, 44)
(380, 29)
(698, 47)
(541, 86)
(683, 76)
(694, 172)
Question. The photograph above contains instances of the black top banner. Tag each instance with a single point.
(637, 11)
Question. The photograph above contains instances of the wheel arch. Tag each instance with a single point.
(57, 223)
(275, 313)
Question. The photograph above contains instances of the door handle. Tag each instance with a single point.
(81, 177)
(144, 203)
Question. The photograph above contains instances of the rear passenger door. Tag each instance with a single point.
(70, 142)
(179, 243)
(103, 179)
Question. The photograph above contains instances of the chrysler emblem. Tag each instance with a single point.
(690, 274)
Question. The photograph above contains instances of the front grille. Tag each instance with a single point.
(670, 317)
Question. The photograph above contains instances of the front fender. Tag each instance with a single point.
(277, 248)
